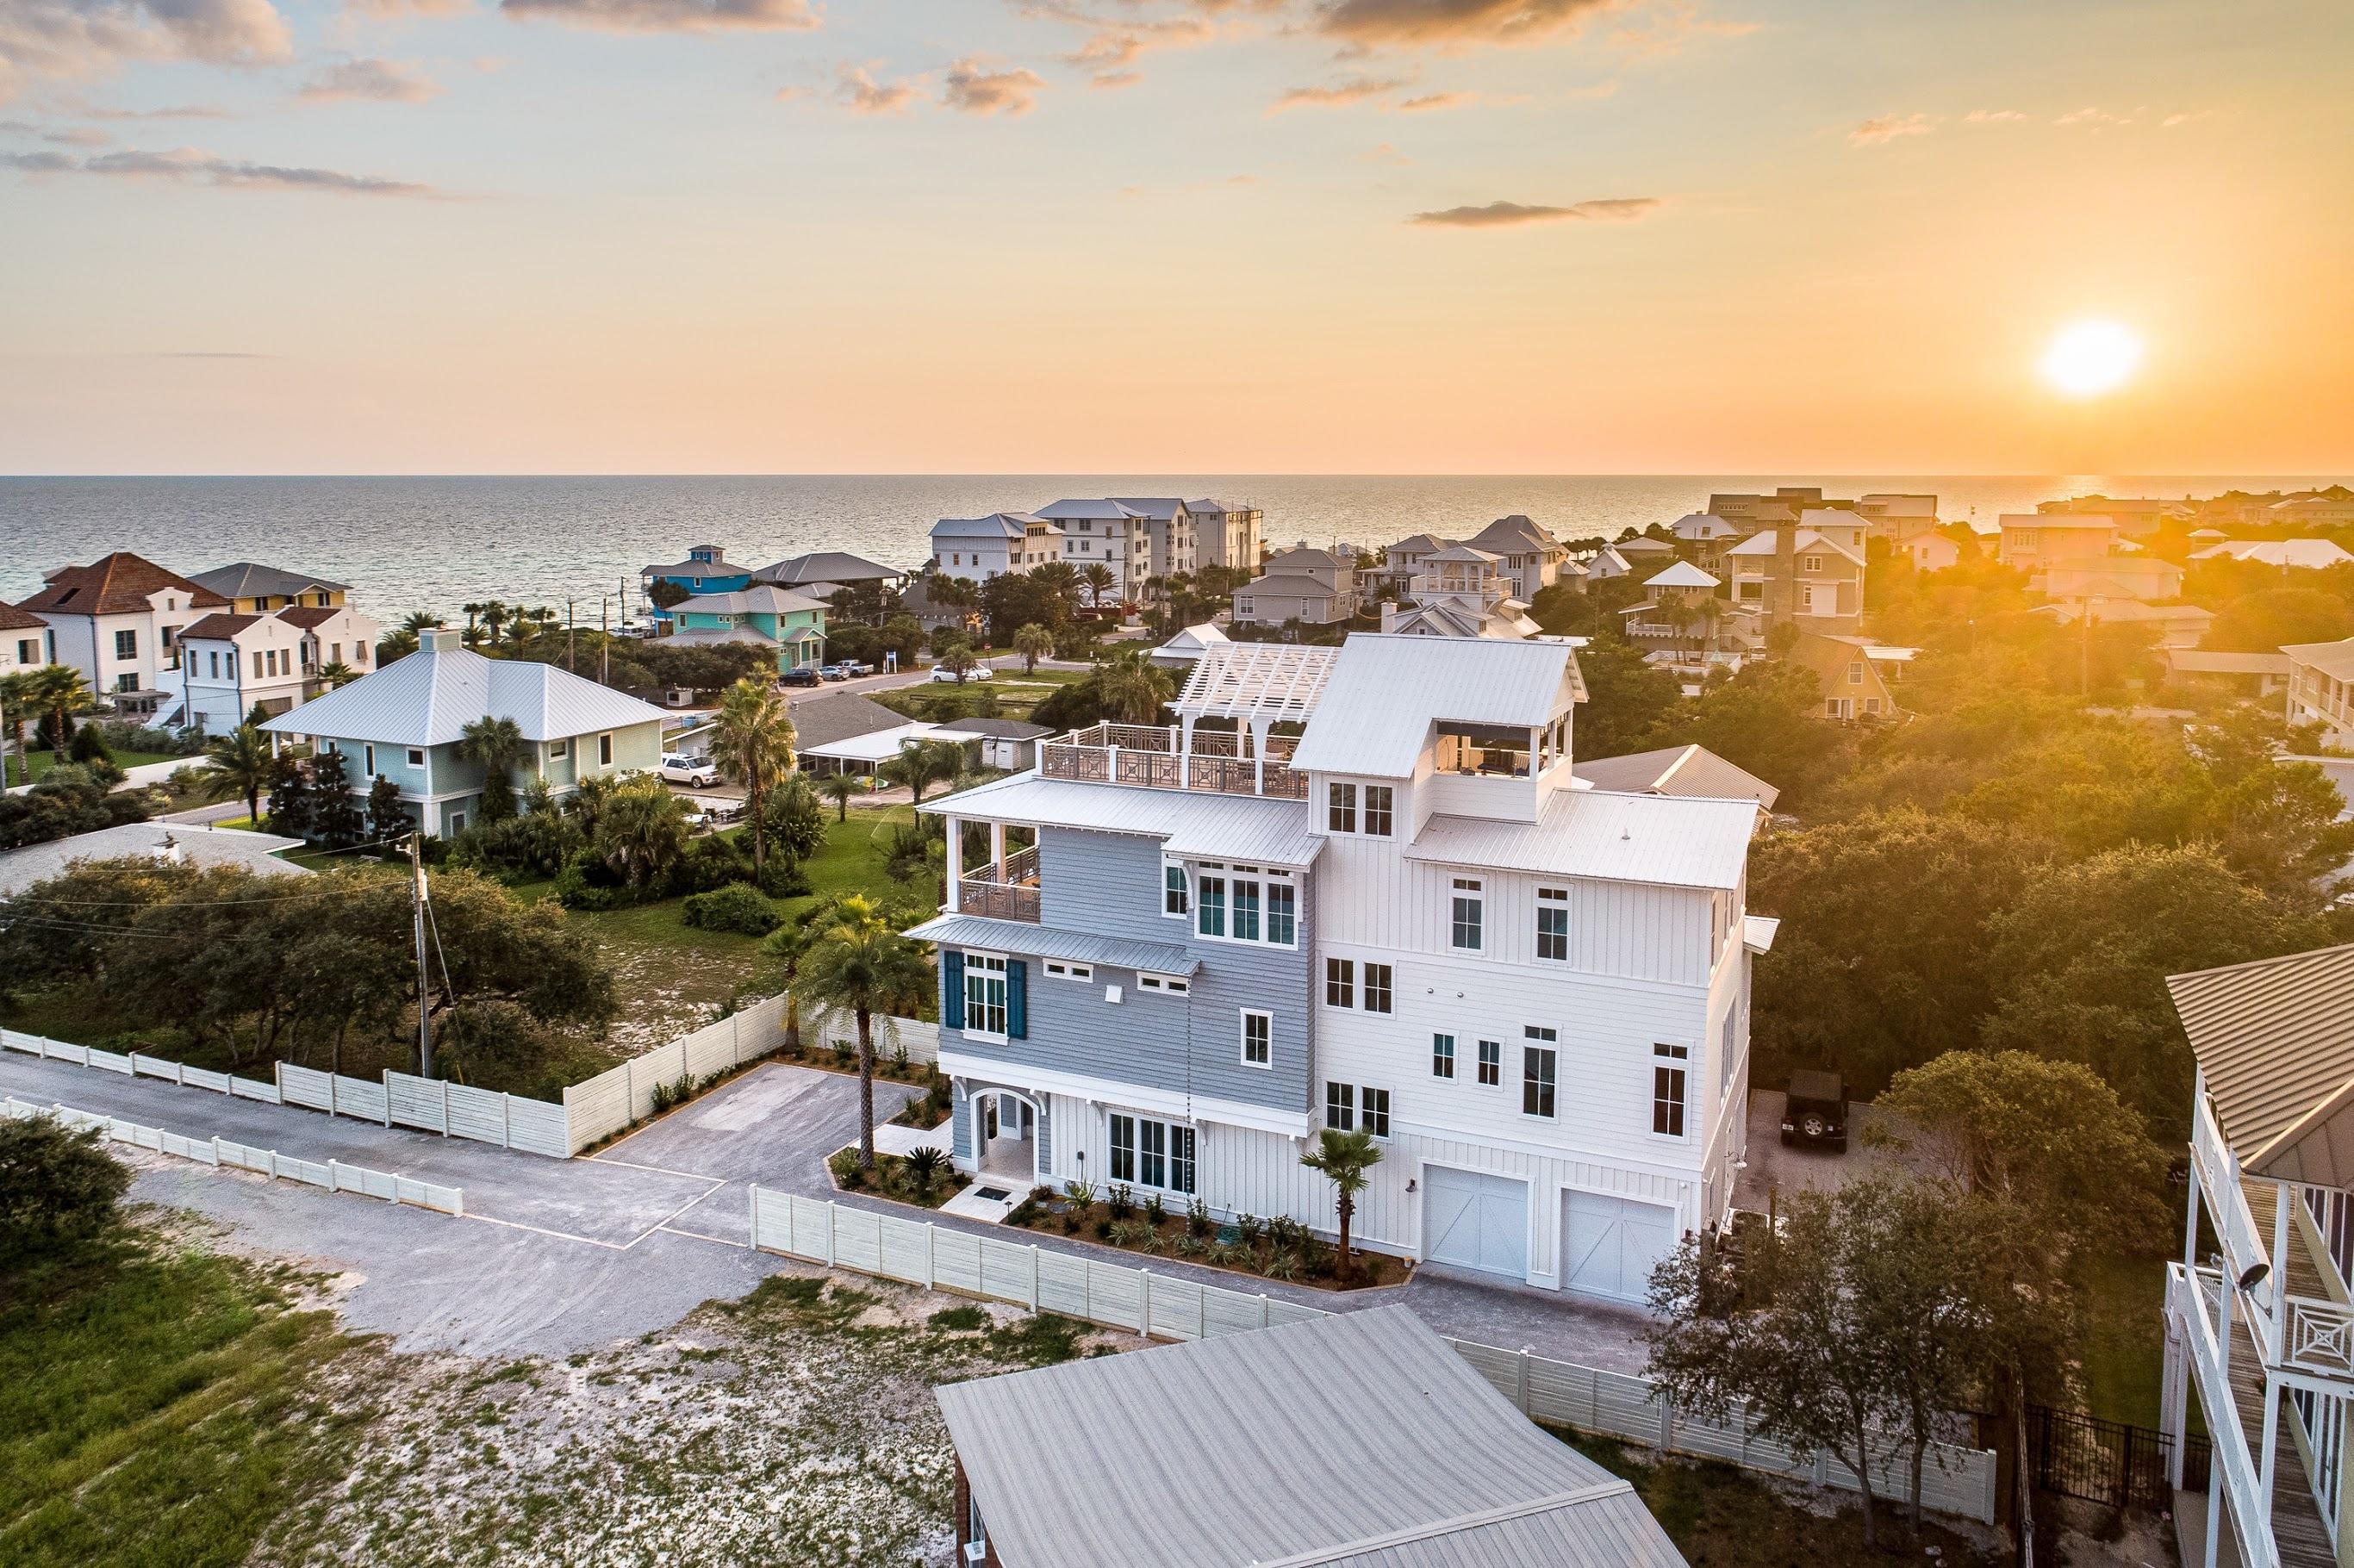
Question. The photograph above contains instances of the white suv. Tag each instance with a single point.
(696, 772)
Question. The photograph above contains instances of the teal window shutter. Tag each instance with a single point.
(1017, 1000)
(952, 988)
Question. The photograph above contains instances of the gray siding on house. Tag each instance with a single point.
(1109, 884)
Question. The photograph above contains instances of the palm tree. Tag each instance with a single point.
(58, 691)
(752, 742)
(924, 764)
(18, 704)
(1130, 689)
(1061, 577)
(840, 789)
(958, 659)
(494, 615)
(1346, 1159)
(859, 967)
(1033, 642)
(419, 621)
(238, 766)
(335, 673)
(1099, 579)
(496, 743)
(788, 945)
(641, 831)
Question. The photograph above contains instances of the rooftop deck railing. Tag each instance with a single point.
(1007, 890)
(1156, 758)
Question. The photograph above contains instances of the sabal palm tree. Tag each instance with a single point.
(752, 742)
(842, 789)
(1033, 642)
(641, 831)
(1059, 578)
(419, 621)
(238, 767)
(494, 615)
(859, 967)
(335, 673)
(788, 945)
(60, 691)
(923, 765)
(1346, 1159)
(1098, 580)
(497, 743)
(1130, 689)
(18, 705)
(959, 660)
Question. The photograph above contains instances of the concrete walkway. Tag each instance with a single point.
(557, 1255)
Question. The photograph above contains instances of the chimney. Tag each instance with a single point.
(440, 639)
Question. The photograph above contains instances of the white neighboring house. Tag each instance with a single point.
(2305, 555)
(117, 620)
(1170, 524)
(1459, 591)
(1605, 564)
(1898, 518)
(2321, 689)
(23, 641)
(1226, 534)
(231, 662)
(1414, 920)
(1527, 557)
(980, 549)
(1315, 588)
(1103, 532)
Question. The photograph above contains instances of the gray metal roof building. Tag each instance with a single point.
(2274, 1040)
(1358, 1439)
(1676, 770)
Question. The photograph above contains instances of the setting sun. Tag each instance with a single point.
(2087, 358)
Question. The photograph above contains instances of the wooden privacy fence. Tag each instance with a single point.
(916, 1252)
(590, 1111)
(334, 1175)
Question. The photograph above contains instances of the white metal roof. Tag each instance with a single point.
(1051, 942)
(1252, 828)
(1103, 508)
(1676, 770)
(2274, 1040)
(996, 525)
(1666, 839)
(1385, 691)
(1683, 574)
(2315, 555)
(429, 697)
(180, 841)
(875, 746)
(1803, 541)
(762, 599)
(2335, 660)
(1272, 680)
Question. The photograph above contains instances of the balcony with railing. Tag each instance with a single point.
(1004, 890)
(1222, 762)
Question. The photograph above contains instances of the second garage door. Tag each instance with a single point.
(1476, 1221)
(1609, 1245)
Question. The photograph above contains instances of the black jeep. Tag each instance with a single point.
(1814, 1110)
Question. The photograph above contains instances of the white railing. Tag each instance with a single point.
(2194, 1298)
(2218, 1170)
(937, 1257)
(2320, 1337)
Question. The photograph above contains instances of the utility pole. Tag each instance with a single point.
(571, 640)
(416, 906)
(605, 643)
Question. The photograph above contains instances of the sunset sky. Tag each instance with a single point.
(1422, 235)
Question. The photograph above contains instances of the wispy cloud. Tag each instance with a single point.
(199, 354)
(57, 135)
(2089, 115)
(1889, 127)
(1512, 214)
(1665, 28)
(408, 8)
(189, 165)
(1380, 22)
(975, 88)
(855, 87)
(1992, 116)
(1385, 154)
(176, 112)
(380, 81)
(1116, 79)
(67, 39)
(672, 15)
(1339, 94)
(1429, 102)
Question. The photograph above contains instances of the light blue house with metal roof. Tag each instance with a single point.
(404, 722)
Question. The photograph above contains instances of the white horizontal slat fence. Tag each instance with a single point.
(1954, 1480)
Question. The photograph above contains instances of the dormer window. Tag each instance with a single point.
(1497, 751)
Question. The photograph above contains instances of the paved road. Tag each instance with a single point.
(560, 1255)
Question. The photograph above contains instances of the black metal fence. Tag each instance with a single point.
(2107, 1462)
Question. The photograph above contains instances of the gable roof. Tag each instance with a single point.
(251, 579)
(307, 616)
(995, 526)
(114, 585)
(1215, 507)
(2274, 1040)
(1512, 535)
(429, 697)
(1258, 829)
(1102, 508)
(827, 566)
(1642, 544)
(1385, 691)
(1424, 543)
(2311, 554)
(837, 716)
(1359, 1438)
(1159, 508)
(218, 627)
(1685, 770)
(1683, 574)
(1801, 542)
(761, 599)
(15, 619)
(1702, 525)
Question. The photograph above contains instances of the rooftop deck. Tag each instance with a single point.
(1159, 758)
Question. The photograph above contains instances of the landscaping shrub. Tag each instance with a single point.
(740, 906)
(847, 1171)
(588, 883)
(710, 864)
(56, 1187)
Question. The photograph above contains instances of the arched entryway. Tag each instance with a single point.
(1006, 1127)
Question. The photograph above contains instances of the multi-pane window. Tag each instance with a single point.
(126, 645)
(1245, 910)
(1170, 983)
(1243, 903)
(1553, 923)
(1374, 1107)
(1442, 1055)
(1491, 1063)
(1258, 1038)
(1468, 915)
(1340, 982)
(1340, 1105)
(1540, 1071)
(1211, 910)
(1667, 1089)
(1377, 988)
(1152, 1153)
(1282, 914)
(984, 994)
(1341, 811)
(1174, 899)
(1378, 814)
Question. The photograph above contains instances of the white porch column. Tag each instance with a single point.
(2190, 1219)
(996, 849)
(1259, 726)
(956, 864)
(2276, 1340)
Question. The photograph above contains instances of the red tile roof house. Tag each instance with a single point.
(117, 620)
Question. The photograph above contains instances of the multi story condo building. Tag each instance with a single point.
(1226, 534)
(1191, 947)
(1169, 524)
(978, 548)
(1108, 534)
(2321, 689)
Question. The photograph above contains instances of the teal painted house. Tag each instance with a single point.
(791, 624)
(404, 722)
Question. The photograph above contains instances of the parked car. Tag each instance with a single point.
(697, 772)
(1815, 1109)
(853, 668)
(806, 676)
(978, 672)
(834, 673)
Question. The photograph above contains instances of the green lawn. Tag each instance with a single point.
(40, 762)
(160, 1406)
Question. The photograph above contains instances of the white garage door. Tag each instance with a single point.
(1475, 1221)
(1609, 1246)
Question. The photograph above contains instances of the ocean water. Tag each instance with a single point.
(435, 544)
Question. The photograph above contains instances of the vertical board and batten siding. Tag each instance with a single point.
(1138, 1300)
